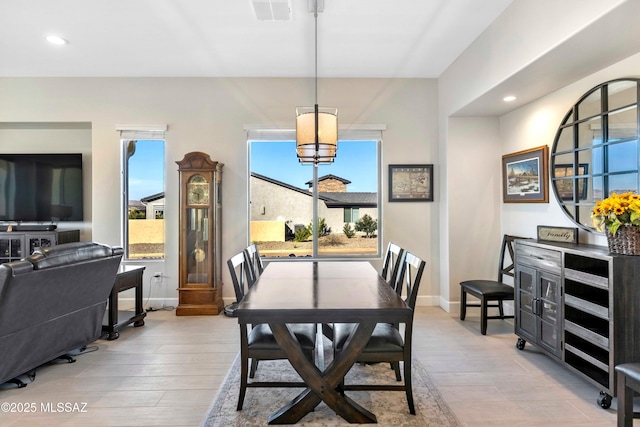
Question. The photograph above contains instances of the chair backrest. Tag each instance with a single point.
(506, 264)
(409, 276)
(240, 274)
(392, 259)
(254, 260)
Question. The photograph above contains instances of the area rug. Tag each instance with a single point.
(390, 407)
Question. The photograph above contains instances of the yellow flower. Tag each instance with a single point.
(617, 210)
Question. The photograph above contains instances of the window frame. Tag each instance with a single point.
(126, 138)
(354, 133)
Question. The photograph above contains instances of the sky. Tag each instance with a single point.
(146, 169)
(355, 161)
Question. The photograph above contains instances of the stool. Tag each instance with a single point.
(628, 376)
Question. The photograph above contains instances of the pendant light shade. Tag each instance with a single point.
(316, 127)
(316, 134)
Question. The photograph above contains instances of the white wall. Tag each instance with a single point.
(473, 180)
(536, 124)
(208, 114)
(525, 32)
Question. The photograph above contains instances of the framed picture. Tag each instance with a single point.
(411, 183)
(525, 176)
(564, 187)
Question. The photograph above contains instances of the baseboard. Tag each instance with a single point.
(150, 303)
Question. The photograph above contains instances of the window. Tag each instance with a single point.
(351, 214)
(281, 211)
(143, 189)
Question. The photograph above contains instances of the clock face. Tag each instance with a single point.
(198, 193)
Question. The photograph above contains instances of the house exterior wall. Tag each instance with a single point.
(332, 185)
(273, 202)
(152, 206)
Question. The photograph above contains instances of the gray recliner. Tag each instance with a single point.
(53, 302)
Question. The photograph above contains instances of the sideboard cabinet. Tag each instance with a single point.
(15, 245)
(580, 305)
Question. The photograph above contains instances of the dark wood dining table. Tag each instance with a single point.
(322, 293)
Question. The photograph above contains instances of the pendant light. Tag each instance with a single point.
(316, 127)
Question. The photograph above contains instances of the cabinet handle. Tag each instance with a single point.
(534, 306)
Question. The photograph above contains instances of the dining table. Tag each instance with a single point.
(324, 293)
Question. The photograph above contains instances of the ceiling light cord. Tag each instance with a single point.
(315, 17)
(316, 118)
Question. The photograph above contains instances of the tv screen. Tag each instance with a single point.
(41, 187)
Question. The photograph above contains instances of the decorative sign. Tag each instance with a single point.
(558, 234)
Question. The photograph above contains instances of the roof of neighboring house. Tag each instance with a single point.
(344, 199)
(136, 204)
(331, 199)
(324, 177)
(152, 198)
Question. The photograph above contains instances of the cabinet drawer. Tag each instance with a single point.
(540, 258)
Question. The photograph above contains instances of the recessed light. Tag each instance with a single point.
(56, 40)
(509, 98)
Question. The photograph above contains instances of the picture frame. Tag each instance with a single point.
(410, 183)
(550, 233)
(525, 176)
(564, 187)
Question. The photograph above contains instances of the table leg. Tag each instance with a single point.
(139, 309)
(113, 315)
(322, 385)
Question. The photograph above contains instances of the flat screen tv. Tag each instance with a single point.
(41, 187)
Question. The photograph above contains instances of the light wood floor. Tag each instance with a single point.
(167, 373)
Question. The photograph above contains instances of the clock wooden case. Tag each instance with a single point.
(200, 255)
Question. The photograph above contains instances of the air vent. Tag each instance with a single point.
(272, 10)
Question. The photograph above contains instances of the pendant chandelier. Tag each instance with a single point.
(316, 127)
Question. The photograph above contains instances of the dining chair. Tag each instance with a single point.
(391, 263)
(389, 343)
(389, 272)
(257, 341)
(255, 261)
(488, 291)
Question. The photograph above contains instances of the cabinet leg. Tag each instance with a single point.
(520, 344)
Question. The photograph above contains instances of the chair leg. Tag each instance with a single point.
(407, 385)
(501, 309)
(396, 368)
(463, 304)
(244, 367)
(625, 402)
(254, 367)
(483, 316)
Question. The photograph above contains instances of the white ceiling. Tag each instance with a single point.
(220, 38)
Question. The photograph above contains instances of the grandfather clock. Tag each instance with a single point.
(200, 256)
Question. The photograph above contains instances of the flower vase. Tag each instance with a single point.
(626, 240)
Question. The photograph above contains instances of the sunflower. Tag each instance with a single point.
(616, 210)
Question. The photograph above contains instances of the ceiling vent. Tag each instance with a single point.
(272, 10)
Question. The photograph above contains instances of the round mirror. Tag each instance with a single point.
(595, 150)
